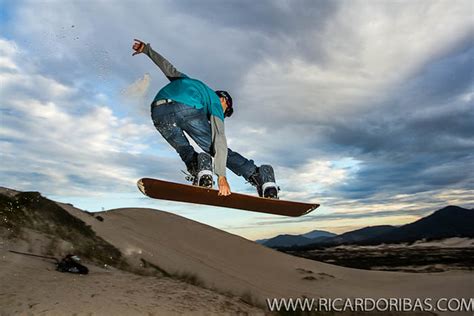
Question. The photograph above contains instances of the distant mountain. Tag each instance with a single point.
(451, 221)
(318, 233)
(287, 241)
(261, 241)
(358, 235)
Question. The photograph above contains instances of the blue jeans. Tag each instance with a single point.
(172, 119)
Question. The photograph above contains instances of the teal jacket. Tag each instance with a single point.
(194, 93)
(197, 94)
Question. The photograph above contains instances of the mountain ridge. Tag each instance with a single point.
(449, 221)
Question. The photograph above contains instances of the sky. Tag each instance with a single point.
(366, 107)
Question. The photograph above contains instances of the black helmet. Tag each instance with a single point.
(224, 94)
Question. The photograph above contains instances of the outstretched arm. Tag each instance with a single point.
(168, 69)
(219, 143)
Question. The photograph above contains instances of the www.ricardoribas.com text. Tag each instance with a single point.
(369, 304)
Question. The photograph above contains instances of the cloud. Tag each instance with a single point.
(421, 138)
(315, 179)
(356, 105)
(47, 143)
(400, 108)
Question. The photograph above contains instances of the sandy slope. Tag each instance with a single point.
(31, 286)
(232, 263)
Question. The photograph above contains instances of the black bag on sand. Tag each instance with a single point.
(71, 264)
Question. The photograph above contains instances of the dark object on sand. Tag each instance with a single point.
(71, 264)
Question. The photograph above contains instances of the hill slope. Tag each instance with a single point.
(287, 241)
(232, 263)
(451, 221)
(318, 234)
(358, 235)
(30, 285)
(235, 265)
(21, 211)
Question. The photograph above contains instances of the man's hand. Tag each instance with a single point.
(138, 47)
(224, 188)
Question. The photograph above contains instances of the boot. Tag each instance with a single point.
(192, 170)
(204, 177)
(264, 179)
(256, 181)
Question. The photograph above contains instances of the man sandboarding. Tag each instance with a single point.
(188, 105)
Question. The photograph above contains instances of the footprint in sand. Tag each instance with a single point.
(301, 270)
(317, 276)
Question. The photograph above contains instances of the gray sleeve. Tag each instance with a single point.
(168, 69)
(219, 143)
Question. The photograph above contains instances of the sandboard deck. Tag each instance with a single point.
(170, 191)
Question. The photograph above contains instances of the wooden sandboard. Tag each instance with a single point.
(164, 190)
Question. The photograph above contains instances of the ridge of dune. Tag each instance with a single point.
(231, 263)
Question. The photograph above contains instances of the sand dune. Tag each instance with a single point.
(231, 263)
(219, 261)
(30, 286)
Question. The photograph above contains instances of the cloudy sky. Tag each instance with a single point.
(366, 107)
